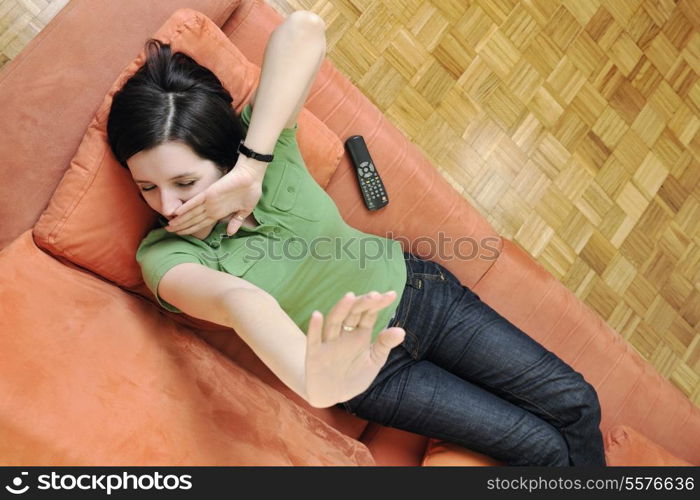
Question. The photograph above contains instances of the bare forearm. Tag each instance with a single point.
(271, 334)
(292, 58)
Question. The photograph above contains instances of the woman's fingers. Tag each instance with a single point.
(363, 313)
(196, 203)
(360, 312)
(369, 316)
(235, 223)
(371, 300)
(353, 316)
(185, 220)
(332, 326)
(386, 341)
(313, 332)
(193, 226)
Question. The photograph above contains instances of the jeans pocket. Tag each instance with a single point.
(424, 269)
(437, 276)
(449, 276)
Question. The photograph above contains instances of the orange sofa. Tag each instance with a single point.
(93, 372)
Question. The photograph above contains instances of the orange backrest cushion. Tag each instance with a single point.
(96, 217)
(625, 446)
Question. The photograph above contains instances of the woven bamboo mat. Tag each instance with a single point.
(21, 20)
(572, 125)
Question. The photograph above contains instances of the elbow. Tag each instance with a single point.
(306, 31)
(305, 21)
(319, 404)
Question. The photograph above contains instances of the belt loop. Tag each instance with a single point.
(411, 280)
(415, 282)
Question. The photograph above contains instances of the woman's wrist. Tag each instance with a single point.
(256, 167)
(255, 155)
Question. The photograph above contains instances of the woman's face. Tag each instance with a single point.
(170, 174)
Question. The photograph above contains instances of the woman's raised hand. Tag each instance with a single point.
(341, 364)
(236, 193)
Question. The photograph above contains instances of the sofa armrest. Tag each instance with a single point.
(93, 375)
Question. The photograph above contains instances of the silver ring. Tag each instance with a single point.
(239, 217)
(348, 328)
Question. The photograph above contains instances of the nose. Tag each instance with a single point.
(169, 202)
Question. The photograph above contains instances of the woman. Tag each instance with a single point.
(249, 244)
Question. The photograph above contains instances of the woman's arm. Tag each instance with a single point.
(256, 316)
(327, 365)
(324, 367)
(293, 56)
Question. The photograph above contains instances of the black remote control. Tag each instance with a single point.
(371, 184)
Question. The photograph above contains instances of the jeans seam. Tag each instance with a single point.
(400, 321)
(414, 337)
(522, 398)
(555, 419)
(391, 420)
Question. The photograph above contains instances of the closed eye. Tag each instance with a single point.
(183, 185)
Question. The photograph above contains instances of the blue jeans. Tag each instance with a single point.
(466, 375)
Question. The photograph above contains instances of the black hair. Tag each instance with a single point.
(173, 98)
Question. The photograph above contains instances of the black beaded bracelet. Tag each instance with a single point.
(245, 151)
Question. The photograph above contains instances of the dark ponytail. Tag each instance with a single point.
(172, 98)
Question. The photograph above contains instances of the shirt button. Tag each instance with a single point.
(290, 189)
(214, 244)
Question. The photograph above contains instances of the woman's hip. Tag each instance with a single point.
(430, 296)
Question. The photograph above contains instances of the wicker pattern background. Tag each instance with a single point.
(572, 125)
(21, 20)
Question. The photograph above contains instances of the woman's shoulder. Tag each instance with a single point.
(160, 241)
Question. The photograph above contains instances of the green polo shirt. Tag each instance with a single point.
(302, 252)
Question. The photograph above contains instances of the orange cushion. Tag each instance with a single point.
(49, 92)
(96, 217)
(442, 453)
(624, 446)
(93, 375)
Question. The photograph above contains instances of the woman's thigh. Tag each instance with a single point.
(428, 400)
(467, 375)
(452, 327)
